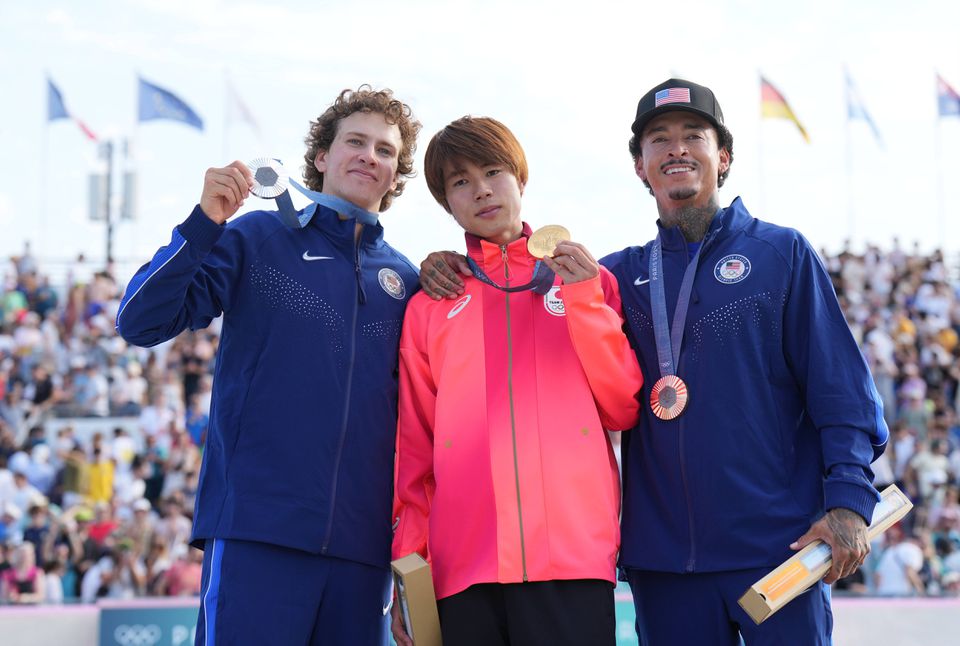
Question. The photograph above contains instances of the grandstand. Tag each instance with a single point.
(100, 442)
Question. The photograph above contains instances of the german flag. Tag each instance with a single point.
(774, 106)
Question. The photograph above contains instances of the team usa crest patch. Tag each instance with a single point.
(391, 283)
(732, 269)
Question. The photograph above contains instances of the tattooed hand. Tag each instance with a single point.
(438, 274)
(845, 531)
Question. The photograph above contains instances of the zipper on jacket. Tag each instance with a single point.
(361, 298)
(691, 563)
(513, 421)
(361, 293)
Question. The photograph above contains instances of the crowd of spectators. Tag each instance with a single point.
(100, 445)
(90, 511)
(904, 309)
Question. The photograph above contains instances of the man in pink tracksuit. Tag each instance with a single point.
(505, 476)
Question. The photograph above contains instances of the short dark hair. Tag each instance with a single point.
(365, 99)
(724, 140)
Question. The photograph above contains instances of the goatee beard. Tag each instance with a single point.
(682, 193)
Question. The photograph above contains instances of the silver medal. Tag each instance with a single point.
(269, 178)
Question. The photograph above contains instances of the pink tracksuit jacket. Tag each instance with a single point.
(504, 472)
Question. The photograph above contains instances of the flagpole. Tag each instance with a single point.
(941, 197)
(760, 162)
(226, 107)
(851, 207)
(43, 183)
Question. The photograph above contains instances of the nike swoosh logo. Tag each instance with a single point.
(386, 609)
(639, 282)
(307, 256)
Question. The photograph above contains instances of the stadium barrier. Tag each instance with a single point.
(172, 622)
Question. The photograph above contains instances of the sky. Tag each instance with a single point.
(564, 76)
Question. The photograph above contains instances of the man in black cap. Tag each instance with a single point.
(760, 417)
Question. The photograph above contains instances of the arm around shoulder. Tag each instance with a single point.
(594, 321)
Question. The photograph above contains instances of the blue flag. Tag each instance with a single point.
(158, 103)
(856, 109)
(948, 101)
(55, 106)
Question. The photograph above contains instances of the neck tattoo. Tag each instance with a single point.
(694, 221)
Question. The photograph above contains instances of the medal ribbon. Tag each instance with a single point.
(668, 343)
(347, 209)
(541, 282)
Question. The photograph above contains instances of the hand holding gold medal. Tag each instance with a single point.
(543, 241)
(572, 262)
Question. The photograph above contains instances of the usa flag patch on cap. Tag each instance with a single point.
(672, 95)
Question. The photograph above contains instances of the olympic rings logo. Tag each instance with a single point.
(137, 634)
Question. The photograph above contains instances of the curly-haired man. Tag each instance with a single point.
(293, 507)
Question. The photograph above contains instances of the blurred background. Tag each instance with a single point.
(845, 118)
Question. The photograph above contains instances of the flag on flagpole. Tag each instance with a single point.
(856, 109)
(774, 106)
(948, 101)
(57, 109)
(237, 108)
(158, 103)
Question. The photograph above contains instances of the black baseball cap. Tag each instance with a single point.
(677, 94)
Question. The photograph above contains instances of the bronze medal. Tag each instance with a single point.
(668, 397)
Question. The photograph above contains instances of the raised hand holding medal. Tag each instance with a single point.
(269, 178)
(569, 260)
(270, 181)
(544, 240)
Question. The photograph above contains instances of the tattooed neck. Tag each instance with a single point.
(694, 221)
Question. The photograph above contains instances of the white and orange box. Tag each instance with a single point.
(810, 564)
(413, 585)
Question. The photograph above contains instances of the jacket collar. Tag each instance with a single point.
(724, 223)
(489, 254)
(341, 231)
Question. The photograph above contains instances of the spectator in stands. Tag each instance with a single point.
(898, 571)
(38, 526)
(76, 476)
(98, 579)
(131, 574)
(95, 394)
(53, 572)
(23, 582)
(101, 477)
(182, 579)
(40, 473)
(104, 524)
(25, 494)
(174, 527)
(10, 516)
(141, 527)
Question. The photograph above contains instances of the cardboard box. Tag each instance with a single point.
(413, 585)
(810, 564)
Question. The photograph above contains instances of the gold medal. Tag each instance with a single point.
(668, 397)
(544, 240)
